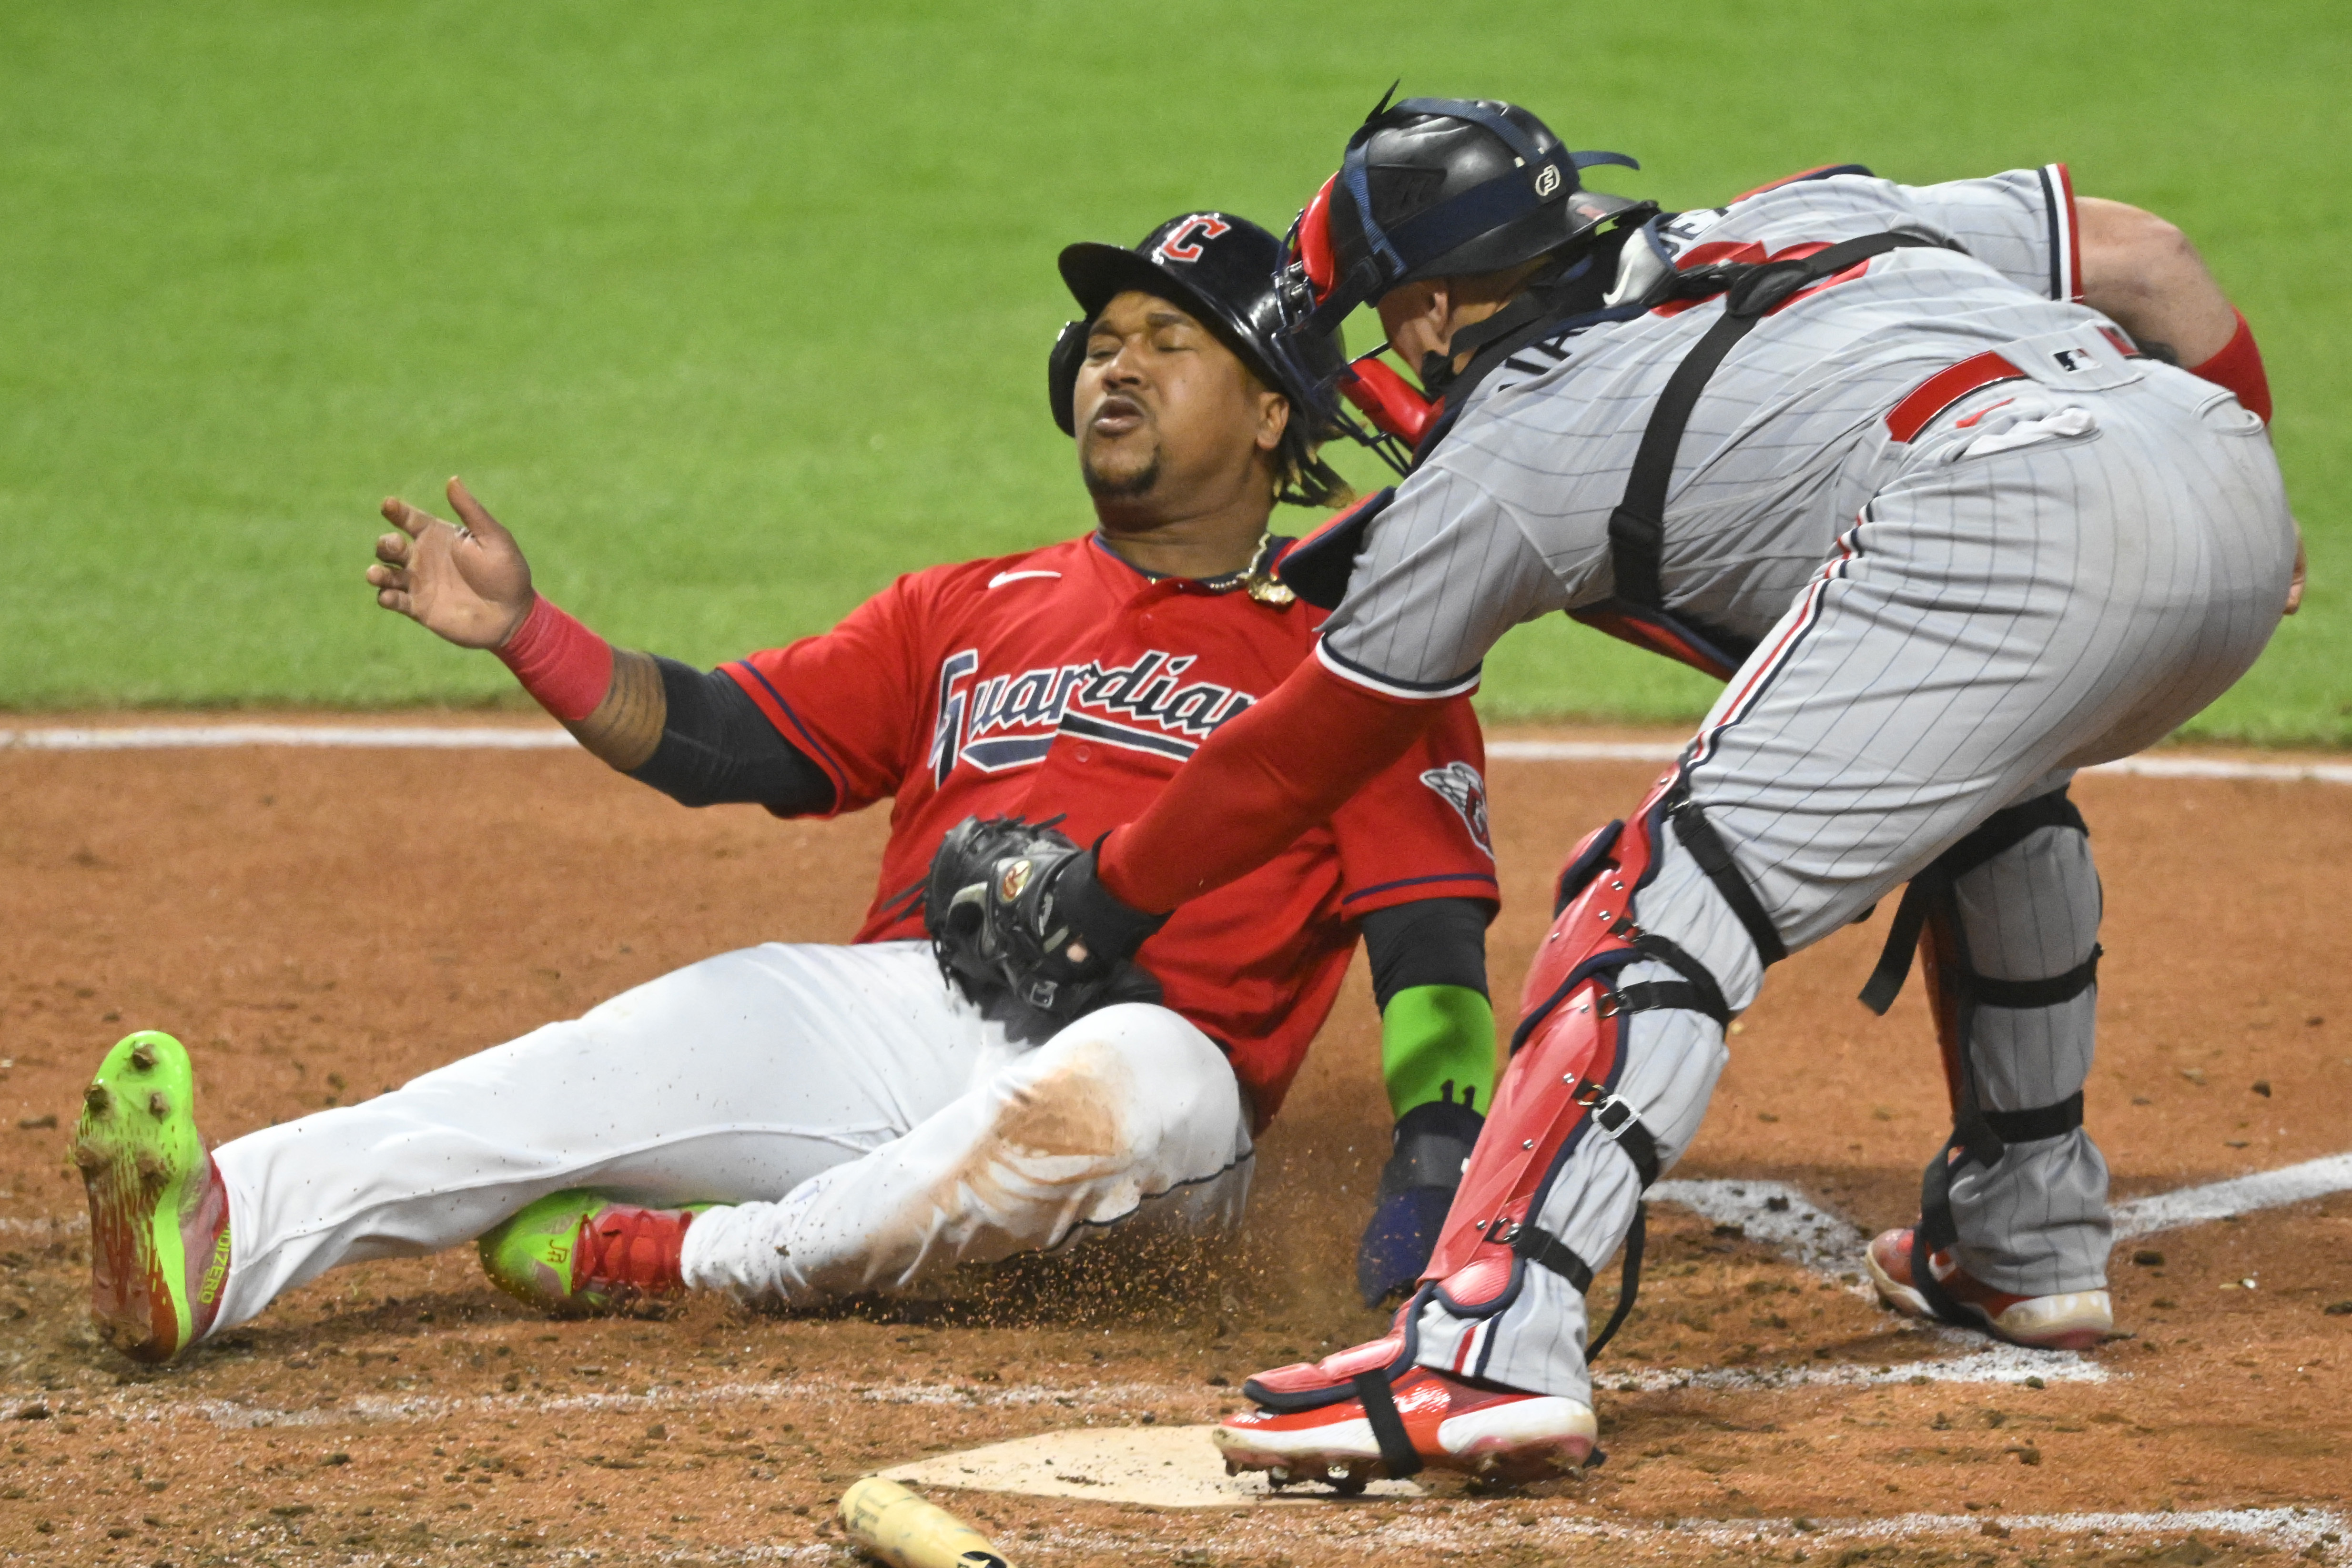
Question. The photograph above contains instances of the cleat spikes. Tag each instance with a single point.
(143, 1056)
(157, 1106)
(97, 1100)
(88, 1158)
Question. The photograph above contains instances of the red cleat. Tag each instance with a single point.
(2071, 1320)
(1314, 1423)
(579, 1254)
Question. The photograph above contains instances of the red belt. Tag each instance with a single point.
(1939, 391)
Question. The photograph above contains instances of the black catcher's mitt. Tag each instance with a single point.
(1014, 909)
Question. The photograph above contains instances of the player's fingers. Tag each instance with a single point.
(405, 517)
(388, 576)
(391, 549)
(475, 516)
(393, 599)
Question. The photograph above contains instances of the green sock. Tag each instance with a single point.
(1437, 1042)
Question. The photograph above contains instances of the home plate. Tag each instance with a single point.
(1169, 1466)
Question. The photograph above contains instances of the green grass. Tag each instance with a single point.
(734, 310)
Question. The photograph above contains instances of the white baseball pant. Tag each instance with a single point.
(867, 1127)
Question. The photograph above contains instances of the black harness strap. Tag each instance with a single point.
(1397, 1452)
(1637, 529)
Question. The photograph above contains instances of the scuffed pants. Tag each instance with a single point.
(868, 1128)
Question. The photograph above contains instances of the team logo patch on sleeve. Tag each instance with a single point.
(1458, 784)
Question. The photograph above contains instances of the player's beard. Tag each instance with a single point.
(1108, 484)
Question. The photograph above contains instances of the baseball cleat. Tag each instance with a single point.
(1312, 1425)
(2071, 1320)
(159, 1236)
(1492, 1433)
(579, 1254)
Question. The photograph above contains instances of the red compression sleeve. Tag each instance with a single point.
(560, 662)
(1261, 781)
(2238, 367)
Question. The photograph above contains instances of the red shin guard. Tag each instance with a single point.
(1565, 1061)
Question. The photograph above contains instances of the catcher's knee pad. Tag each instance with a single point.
(1570, 1057)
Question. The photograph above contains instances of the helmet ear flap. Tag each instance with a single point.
(1062, 374)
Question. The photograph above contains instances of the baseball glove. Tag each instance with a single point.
(1013, 909)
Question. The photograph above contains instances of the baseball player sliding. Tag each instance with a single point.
(1918, 469)
(793, 1123)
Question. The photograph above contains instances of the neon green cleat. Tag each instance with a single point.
(579, 1254)
(158, 1213)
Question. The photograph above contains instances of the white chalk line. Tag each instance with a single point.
(412, 736)
(2237, 1196)
(497, 737)
(1470, 1528)
(2291, 1528)
(2135, 766)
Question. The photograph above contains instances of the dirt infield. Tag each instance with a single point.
(319, 926)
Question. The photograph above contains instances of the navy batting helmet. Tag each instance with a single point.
(1220, 270)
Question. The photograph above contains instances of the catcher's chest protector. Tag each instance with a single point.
(1566, 1057)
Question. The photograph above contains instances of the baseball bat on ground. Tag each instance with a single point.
(894, 1524)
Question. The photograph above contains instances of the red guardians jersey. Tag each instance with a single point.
(1065, 681)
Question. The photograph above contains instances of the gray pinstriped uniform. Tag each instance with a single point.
(2055, 572)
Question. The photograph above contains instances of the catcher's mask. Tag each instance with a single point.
(1430, 187)
(1220, 269)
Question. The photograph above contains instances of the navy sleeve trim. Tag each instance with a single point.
(717, 748)
(1483, 877)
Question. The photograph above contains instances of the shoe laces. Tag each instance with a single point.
(635, 1248)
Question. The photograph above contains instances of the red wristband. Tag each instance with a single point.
(560, 662)
(2238, 367)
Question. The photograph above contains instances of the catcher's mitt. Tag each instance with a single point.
(1013, 909)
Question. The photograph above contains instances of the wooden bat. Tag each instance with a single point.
(902, 1530)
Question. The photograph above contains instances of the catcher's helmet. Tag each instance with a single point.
(1437, 187)
(1220, 269)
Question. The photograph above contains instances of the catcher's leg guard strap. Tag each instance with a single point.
(1397, 1452)
(1539, 1246)
(1706, 847)
(2000, 831)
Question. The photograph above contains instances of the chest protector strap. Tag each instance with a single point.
(1637, 611)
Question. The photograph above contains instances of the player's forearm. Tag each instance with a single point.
(2143, 273)
(609, 698)
(717, 747)
(1259, 782)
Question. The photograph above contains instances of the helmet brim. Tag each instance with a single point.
(1097, 274)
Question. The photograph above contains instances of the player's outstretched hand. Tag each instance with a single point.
(468, 583)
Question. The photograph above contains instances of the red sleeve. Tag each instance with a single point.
(1419, 829)
(1259, 782)
(850, 699)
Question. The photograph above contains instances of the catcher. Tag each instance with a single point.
(795, 1123)
(1964, 486)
